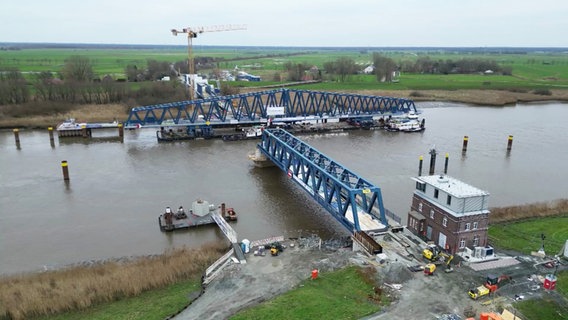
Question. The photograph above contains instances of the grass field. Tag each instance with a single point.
(541, 309)
(530, 71)
(342, 294)
(525, 236)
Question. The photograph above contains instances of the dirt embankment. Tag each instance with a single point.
(111, 112)
(476, 97)
(82, 113)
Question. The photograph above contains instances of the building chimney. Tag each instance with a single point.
(432, 160)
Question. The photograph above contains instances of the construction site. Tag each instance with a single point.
(439, 264)
(403, 273)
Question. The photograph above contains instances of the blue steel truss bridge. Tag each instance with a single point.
(353, 201)
(281, 105)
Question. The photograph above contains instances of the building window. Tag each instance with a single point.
(449, 201)
(431, 214)
(445, 222)
(475, 241)
(467, 226)
(436, 193)
(462, 243)
(420, 186)
(474, 225)
(420, 207)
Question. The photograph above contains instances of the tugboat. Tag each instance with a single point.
(247, 133)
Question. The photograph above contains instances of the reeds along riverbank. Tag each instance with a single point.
(534, 210)
(75, 288)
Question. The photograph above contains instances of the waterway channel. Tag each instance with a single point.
(110, 207)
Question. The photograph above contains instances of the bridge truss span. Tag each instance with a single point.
(356, 203)
(257, 107)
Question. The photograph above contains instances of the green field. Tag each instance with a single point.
(541, 309)
(342, 294)
(529, 71)
(525, 236)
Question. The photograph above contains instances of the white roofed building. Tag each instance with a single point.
(449, 212)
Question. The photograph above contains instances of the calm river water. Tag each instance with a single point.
(117, 190)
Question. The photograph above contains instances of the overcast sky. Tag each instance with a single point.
(332, 23)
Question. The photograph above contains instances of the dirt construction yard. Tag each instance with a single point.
(416, 296)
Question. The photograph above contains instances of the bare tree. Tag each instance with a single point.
(384, 67)
(13, 87)
(342, 67)
(78, 69)
(345, 66)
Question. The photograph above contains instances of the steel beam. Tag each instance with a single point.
(342, 192)
(253, 107)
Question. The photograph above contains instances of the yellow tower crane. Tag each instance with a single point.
(192, 33)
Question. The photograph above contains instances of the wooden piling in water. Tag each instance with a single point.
(50, 131)
(65, 169)
(464, 147)
(510, 143)
(51, 139)
(17, 137)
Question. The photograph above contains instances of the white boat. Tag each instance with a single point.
(409, 122)
(70, 124)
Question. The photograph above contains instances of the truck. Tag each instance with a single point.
(492, 283)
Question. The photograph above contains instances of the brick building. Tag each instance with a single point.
(449, 212)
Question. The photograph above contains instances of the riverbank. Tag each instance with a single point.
(111, 112)
(81, 287)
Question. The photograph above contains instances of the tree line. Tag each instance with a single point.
(77, 83)
(385, 68)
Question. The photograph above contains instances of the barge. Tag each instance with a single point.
(71, 128)
(201, 213)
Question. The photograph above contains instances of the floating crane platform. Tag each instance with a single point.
(201, 214)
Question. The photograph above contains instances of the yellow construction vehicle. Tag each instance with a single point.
(435, 254)
(429, 269)
(479, 292)
(492, 283)
(431, 253)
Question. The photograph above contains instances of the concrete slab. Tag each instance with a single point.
(494, 264)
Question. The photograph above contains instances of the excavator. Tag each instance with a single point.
(434, 254)
(492, 283)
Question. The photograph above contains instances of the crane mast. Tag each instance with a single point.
(192, 33)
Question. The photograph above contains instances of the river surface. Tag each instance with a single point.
(117, 190)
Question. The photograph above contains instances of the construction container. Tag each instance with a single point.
(550, 282)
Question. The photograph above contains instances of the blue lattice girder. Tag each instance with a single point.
(253, 107)
(342, 192)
